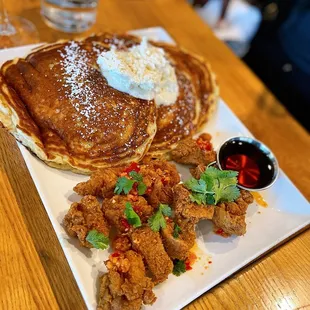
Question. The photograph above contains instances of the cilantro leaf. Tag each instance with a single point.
(136, 176)
(123, 184)
(179, 267)
(226, 193)
(157, 221)
(176, 231)
(198, 186)
(141, 188)
(214, 186)
(198, 198)
(97, 239)
(165, 209)
(132, 217)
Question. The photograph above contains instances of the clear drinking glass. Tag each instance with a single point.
(69, 15)
(15, 30)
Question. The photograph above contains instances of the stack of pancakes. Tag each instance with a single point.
(56, 102)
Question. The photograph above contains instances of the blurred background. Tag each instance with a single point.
(273, 38)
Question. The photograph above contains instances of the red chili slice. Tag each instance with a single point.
(125, 223)
(132, 167)
(204, 145)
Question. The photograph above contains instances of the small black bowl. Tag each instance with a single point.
(256, 152)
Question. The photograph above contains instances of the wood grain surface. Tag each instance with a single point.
(33, 270)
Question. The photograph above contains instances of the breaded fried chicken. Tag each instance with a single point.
(230, 216)
(197, 171)
(184, 207)
(158, 176)
(194, 152)
(149, 244)
(178, 247)
(114, 208)
(125, 286)
(100, 184)
(83, 217)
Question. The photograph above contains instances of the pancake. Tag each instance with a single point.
(56, 102)
(198, 93)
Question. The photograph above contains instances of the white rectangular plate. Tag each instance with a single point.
(288, 212)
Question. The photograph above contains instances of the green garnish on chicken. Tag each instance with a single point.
(157, 221)
(214, 186)
(179, 267)
(125, 185)
(98, 240)
(176, 231)
(131, 216)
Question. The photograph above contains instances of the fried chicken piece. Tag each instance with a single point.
(121, 243)
(83, 217)
(100, 184)
(194, 152)
(178, 247)
(184, 207)
(114, 208)
(197, 171)
(159, 177)
(149, 244)
(125, 286)
(230, 216)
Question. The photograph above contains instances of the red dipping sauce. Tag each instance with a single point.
(254, 163)
(249, 173)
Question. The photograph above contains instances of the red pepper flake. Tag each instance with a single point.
(116, 254)
(204, 145)
(132, 167)
(220, 231)
(188, 266)
(125, 223)
(149, 190)
(209, 262)
(137, 209)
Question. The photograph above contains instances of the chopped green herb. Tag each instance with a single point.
(136, 176)
(132, 217)
(141, 188)
(157, 221)
(179, 267)
(123, 184)
(214, 186)
(97, 240)
(176, 231)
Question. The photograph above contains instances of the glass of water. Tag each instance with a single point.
(69, 15)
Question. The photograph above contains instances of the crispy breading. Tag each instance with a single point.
(187, 209)
(230, 216)
(149, 244)
(125, 286)
(197, 171)
(114, 208)
(83, 217)
(178, 247)
(159, 177)
(121, 243)
(100, 184)
(188, 152)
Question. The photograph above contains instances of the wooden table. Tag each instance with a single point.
(33, 270)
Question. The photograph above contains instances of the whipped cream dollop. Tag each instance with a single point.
(142, 71)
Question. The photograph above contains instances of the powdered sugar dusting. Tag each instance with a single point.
(77, 86)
